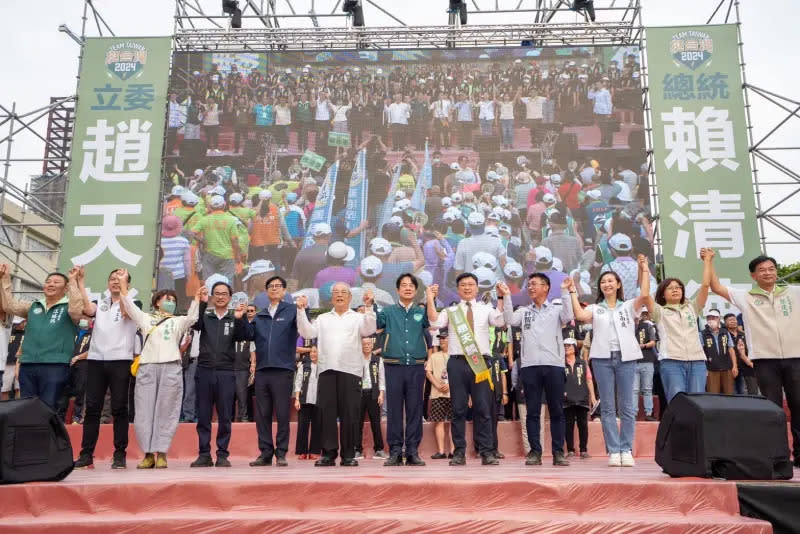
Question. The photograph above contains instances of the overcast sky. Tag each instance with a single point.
(40, 62)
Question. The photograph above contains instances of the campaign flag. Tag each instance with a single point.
(424, 183)
(386, 210)
(356, 211)
(324, 204)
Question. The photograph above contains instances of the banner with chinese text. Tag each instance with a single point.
(701, 153)
(111, 216)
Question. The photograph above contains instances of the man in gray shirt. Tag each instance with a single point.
(478, 242)
(542, 360)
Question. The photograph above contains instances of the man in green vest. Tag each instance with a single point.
(50, 334)
(404, 353)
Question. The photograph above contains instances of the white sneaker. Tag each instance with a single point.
(359, 456)
(627, 459)
(614, 460)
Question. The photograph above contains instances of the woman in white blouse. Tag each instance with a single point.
(159, 381)
(614, 352)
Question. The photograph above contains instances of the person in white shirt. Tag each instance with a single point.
(463, 388)
(486, 114)
(340, 366)
(534, 112)
(603, 109)
(614, 352)
(399, 113)
(340, 110)
(323, 113)
(159, 379)
(109, 367)
(441, 121)
(373, 392)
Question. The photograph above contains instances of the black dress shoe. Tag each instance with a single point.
(439, 456)
(559, 460)
(499, 455)
(222, 461)
(280, 461)
(325, 462)
(203, 461)
(349, 462)
(533, 459)
(489, 459)
(414, 459)
(458, 459)
(393, 460)
(261, 461)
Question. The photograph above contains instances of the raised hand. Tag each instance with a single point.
(707, 254)
(72, 274)
(201, 294)
(240, 310)
(301, 302)
(642, 261)
(4, 271)
(432, 291)
(122, 275)
(368, 298)
(502, 289)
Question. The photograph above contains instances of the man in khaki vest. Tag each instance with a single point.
(770, 314)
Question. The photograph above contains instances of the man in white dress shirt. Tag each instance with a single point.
(461, 377)
(340, 365)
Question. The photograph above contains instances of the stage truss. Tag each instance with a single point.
(199, 25)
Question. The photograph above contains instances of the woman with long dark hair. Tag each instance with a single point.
(682, 362)
(614, 352)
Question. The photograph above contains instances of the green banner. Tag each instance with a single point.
(112, 207)
(312, 160)
(702, 162)
(339, 139)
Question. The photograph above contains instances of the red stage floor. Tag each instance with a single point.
(587, 497)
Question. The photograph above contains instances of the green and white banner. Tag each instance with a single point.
(112, 208)
(701, 153)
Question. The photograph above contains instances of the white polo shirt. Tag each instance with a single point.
(112, 336)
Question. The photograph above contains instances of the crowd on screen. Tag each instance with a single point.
(448, 103)
(360, 356)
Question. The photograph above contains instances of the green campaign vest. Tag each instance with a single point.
(49, 335)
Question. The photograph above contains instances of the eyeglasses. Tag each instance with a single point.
(275, 286)
(221, 294)
(541, 284)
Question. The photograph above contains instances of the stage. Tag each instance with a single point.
(585, 497)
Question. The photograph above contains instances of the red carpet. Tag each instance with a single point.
(585, 498)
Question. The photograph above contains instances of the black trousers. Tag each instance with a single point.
(579, 415)
(369, 406)
(776, 376)
(404, 394)
(242, 398)
(273, 389)
(465, 133)
(308, 416)
(338, 396)
(215, 389)
(103, 375)
(302, 129)
(78, 377)
(605, 125)
(462, 386)
(494, 410)
(321, 128)
(551, 380)
(399, 136)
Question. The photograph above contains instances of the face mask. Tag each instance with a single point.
(436, 160)
(713, 323)
(83, 324)
(169, 306)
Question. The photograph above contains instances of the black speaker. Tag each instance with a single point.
(636, 141)
(252, 149)
(193, 149)
(34, 445)
(487, 143)
(566, 148)
(735, 437)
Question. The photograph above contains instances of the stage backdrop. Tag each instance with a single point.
(702, 162)
(114, 177)
(486, 114)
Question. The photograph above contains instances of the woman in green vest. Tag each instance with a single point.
(50, 333)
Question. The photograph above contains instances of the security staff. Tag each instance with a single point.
(720, 356)
(215, 377)
(404, 354)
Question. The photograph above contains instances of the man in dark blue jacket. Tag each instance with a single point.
(274, 330)
(215, 378)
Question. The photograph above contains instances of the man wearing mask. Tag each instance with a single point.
(720, 356)
(245, 357)
(746, 380)
(274, 330)
(215, 378)
(109, 367)
(51, 330)
(469, 346)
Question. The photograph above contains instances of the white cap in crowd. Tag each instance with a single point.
(259, 267)
(476, 219)
(177, 190)
(543, 255)
(484, 259)
(339, 251)
(557, 265)
(236, 198)
(620, 242)
(321, 229)
(447, 202)
(513, 270)
(380, 246)
(486, 277)
(217, 202)
(265, 194)
(396, 220)
(371, 266)
(549, 198)
(189, 198)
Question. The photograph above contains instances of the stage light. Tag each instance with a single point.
(236, 19)
(587, 5)
(460, 7)
(229, 6)
(353, 7)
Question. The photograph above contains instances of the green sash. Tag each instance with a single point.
(468, 345)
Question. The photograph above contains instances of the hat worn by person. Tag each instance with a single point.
(476, 219)
(620, 242)
(380, 246)
(236, 198)
(265, 194)
(570, 341)
(549, 198)
(513, 270)
(371, 266)
(339, 251)
(217, 202)
(713, 313)
(259, 267)
(321, 229)
(171, 226)
(543, 255)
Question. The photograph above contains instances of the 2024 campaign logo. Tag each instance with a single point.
(126, 60)
(692, 48)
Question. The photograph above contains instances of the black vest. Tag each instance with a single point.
(717, 358)
(576, 388)
(306, 361)
(374, 375)
(82, 343)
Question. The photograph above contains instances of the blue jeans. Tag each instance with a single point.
(677, 376)
(43, 380)
(613, 373)
(507, 131)
(643, 381)
(486, 126)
